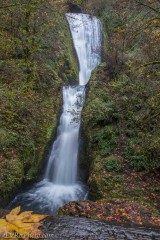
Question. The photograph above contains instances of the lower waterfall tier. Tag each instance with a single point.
(47, 197)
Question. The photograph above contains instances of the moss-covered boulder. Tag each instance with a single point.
(112, 175)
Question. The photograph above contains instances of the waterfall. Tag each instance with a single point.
(86, 33)
(61, 182)
(62, 165)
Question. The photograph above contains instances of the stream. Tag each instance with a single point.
(60, 228)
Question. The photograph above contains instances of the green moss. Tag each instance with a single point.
(118, 179)
(106, 139)
(11, 176)
(31, 99)
(121, 115)
(112, 163)
(95, 192)
(8, 138)
(103, 129)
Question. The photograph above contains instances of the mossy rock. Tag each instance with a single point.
(11, 176)
(95, 191)
(112, 163)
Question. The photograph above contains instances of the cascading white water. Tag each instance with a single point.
(86, 33)
(62, 165)
(61, 183)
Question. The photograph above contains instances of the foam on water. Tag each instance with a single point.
(47, 197)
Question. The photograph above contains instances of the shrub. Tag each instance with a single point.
(112, 163)
(107, 139)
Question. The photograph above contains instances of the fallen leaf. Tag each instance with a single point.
(25, 224)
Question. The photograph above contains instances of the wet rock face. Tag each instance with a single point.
(60, 228)
(73, 8)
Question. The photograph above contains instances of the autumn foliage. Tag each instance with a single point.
(25, 225)
(118, 211)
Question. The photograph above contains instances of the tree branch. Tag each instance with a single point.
(148, 6)
(147, 64)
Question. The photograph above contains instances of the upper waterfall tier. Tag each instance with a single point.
(87, 35)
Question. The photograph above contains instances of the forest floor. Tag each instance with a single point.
(134, 200)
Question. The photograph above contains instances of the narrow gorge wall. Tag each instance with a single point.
(121, 137)
(31, 108)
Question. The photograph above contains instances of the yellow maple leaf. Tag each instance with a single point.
(26, 224)
(6, 229)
